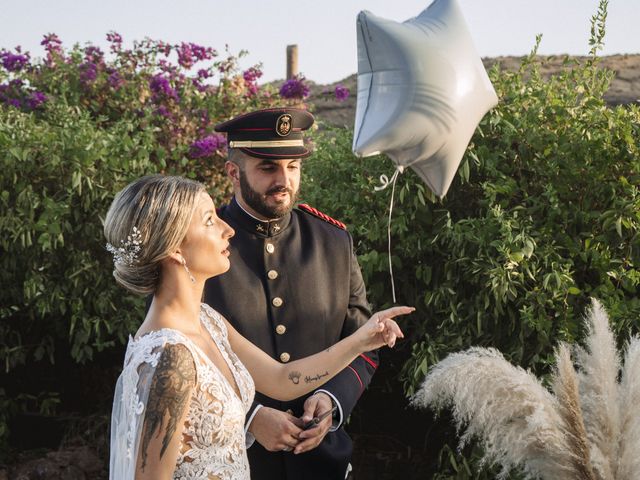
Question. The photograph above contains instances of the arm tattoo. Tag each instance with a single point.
(295, 377)
(315, 378)
(169, 394)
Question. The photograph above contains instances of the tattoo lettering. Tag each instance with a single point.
(317, 377)
(295, 377)
(169, 395)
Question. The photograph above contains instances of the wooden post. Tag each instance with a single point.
(292, 61)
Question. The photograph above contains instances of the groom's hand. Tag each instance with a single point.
(275, 430)
(315, 405)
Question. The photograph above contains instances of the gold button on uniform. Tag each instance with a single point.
(270, 248)
(284, 357)
(277, 302)
(280, 329)
(272, 274)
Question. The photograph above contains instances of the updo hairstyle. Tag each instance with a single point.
(160, 208)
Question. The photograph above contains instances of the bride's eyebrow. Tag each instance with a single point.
(205, 213)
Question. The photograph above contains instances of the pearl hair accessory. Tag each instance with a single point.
(127, 252)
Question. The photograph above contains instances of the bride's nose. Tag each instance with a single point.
(228, 231)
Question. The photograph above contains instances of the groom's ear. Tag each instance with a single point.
(233, 171)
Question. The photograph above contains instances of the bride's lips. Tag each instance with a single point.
(226, 252)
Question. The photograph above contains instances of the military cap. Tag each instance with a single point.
(272, 133)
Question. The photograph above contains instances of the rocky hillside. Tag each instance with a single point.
(625, 87)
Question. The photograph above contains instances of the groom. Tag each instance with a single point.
(294, 289)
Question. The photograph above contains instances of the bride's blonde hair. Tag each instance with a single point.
(146, 222)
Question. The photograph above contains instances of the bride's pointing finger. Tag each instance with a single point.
(394, 312)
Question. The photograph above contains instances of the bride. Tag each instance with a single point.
(189, 376)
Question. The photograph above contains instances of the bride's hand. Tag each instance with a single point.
(381, 329)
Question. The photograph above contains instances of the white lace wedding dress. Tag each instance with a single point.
(213, 439)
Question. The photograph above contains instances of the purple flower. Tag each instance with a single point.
(190, 53)
(11, 93)
(294, 88)
(251, 77)
(163, 48)
(204, 73)
(185, 55)
(93, 54)
(114, 38)
(252, 74)
(115, 80)
(162, 111)
(166, 66)
(13, 62)
(51, 43)
(341, 93)
(88, 72)
(161, 87)
(203, 53)
(36, 99)
(252, 89)
(199, 85)
(207, 146)
(14, 102)
(4, 89)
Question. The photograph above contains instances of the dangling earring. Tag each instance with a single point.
(184, 264)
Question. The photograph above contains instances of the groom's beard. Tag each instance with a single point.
(257, 201)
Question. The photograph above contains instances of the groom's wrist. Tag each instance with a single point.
(337, 414)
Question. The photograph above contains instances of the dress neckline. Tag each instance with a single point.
(205, 320)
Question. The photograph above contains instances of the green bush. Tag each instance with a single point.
(544, 214)
(75, 128)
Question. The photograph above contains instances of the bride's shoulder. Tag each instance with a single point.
(158, 326)
(211, 313)
(150, 346)
(155, 334)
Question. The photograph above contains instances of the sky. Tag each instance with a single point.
(324, 30)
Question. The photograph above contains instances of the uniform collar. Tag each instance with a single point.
(263, 228)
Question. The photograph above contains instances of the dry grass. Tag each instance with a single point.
(585, 430)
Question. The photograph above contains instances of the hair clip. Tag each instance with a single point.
(127, 253)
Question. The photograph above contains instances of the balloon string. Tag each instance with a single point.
(384, 183)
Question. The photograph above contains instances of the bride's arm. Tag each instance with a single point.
(286, 381)
(165, 413)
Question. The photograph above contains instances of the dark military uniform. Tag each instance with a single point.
(294, 289)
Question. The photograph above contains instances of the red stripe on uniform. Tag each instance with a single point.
(357, 376)
(369, 361)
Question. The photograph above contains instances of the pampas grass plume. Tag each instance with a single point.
(587, 429)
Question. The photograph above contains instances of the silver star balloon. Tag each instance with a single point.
(422, 90)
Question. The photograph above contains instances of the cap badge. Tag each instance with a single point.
(283, 125)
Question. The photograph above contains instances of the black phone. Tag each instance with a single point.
(316, 420)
